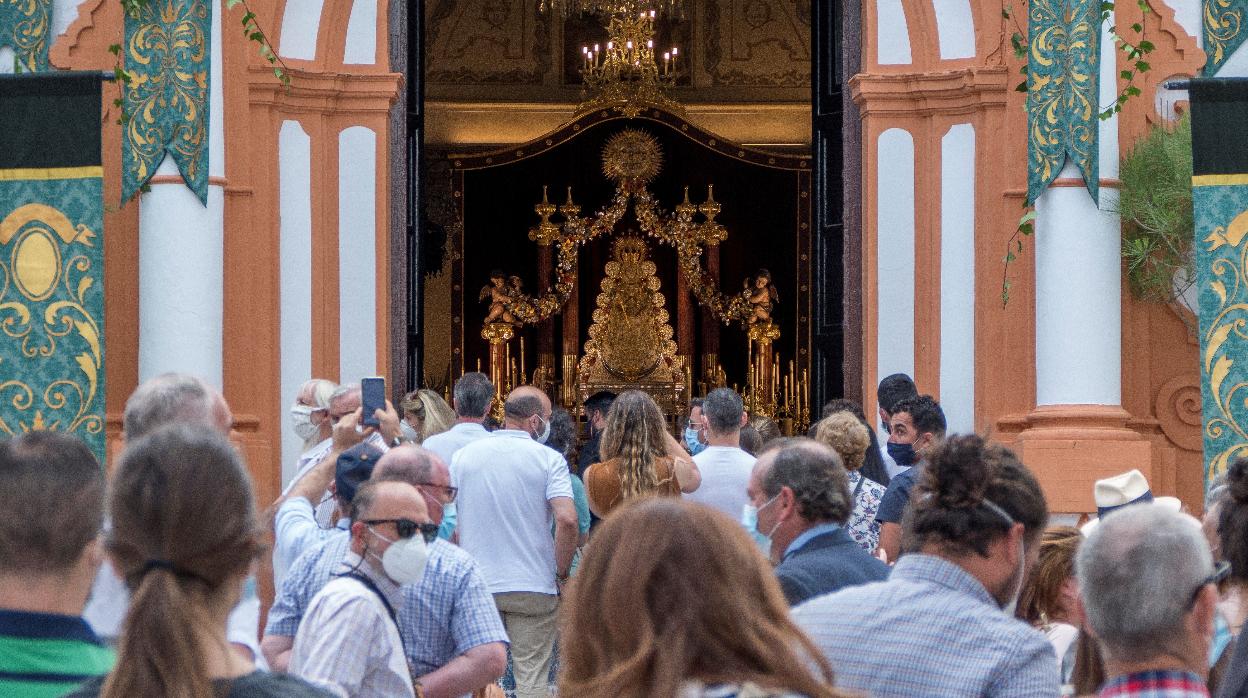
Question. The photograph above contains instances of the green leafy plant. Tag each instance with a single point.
(1155, 205)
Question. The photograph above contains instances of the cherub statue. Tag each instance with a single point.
(762, 295)
(498, 294)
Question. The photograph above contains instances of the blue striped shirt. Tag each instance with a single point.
(932, 629)
(448, 612)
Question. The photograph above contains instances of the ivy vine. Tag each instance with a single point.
(1136, 52)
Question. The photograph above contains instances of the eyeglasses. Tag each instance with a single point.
(1221, 571)
(451, 492)
(406, 528)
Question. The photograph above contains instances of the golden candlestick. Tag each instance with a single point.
(498, 334)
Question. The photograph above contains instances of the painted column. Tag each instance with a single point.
(180, 256)
(1078, 432)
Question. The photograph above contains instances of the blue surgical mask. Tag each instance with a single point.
(902, 454)
(749, 519)
(691, 441)
(448, 521)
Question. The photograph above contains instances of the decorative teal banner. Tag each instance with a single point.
(1220, 205)
(51, 256)
(167, 52)
(1224, 32)
(1063, 81)
(26, 26)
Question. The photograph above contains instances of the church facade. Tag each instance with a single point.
(312, 257)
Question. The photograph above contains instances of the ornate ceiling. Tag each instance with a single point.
(500, 72)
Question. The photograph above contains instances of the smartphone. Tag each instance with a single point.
(372, 398)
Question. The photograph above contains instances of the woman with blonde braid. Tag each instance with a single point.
(640, 457)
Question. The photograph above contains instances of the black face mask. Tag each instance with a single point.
(902, 454)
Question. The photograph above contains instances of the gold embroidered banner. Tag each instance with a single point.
(26, 26)
(167, 52)
(51, 257)
(1063, 80)
(1222, 23)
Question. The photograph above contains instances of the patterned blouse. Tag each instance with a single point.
(863, 527)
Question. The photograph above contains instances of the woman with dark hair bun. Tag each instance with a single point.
(184, 534)
(1232, 517)
(971, 533)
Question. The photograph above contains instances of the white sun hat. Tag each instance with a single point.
(1114, 493)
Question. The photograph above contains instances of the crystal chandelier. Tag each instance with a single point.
(627, 75)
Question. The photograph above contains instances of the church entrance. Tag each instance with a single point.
(514, 258)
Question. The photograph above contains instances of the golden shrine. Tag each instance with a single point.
(631, 342)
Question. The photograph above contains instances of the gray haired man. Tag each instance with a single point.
(472, 397)
(172, 398)
(800, 490)
(1149, 589)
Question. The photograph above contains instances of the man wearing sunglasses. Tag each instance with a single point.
(452, 633)
(349, 641)
(1149, 589)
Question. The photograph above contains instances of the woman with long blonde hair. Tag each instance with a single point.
(697, 614)
(425, 413)
(639, 457)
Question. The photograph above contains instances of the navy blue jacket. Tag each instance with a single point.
(826, 563)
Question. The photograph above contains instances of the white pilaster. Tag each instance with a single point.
(181, 258)
(1078, 276)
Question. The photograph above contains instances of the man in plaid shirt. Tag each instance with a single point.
(1149, 589)
(452, 633)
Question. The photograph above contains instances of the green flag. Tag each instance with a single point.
(51, 256)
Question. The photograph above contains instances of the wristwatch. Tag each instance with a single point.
(398, 441)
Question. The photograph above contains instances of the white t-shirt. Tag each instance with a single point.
(505, 484)
(448, 442)
(725, 476)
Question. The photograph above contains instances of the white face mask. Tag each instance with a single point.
(404, 561)
(408, 432)
(541, 438)
(301, 420)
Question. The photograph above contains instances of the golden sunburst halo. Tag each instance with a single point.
(632, 154)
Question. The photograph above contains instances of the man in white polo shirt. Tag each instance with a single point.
(724, 466)
(472, 398)
(511, 489)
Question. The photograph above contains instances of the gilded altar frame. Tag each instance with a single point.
(463, 316)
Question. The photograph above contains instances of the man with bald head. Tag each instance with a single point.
(452, 633)
(511, 490)
(349, 642)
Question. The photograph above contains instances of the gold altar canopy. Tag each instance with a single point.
(630, 343)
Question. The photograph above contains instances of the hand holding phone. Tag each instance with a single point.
(372, 398)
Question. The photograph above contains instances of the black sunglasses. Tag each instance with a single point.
(406, 528)
(1221, 571)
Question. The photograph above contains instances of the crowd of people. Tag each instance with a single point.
(479, 549)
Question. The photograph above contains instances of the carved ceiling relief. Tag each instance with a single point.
(758, 45)
(758, 42)
(487, 42)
